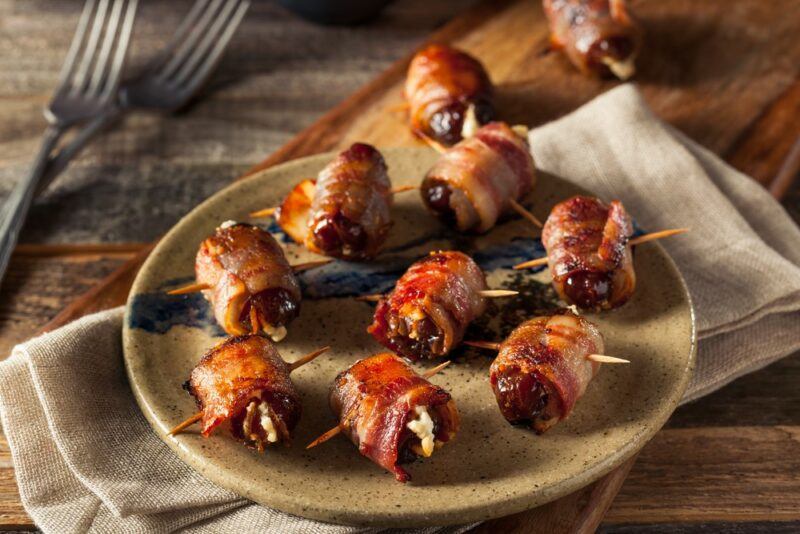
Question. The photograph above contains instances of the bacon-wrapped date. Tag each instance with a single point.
(427, 313)
(392, 414)
(474, 182)
(348, 215)
(441, 85)
(598, 36)
(244, 381)
(589, 254)
(249, 280)
(543, 369)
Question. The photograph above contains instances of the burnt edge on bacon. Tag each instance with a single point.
(431, 306)
(589, 253)
(590, 30)
(375, 399)
(236, 372)
(441, 84)
(542, 369)
(471, 186)
(245, 266)
(350, 214)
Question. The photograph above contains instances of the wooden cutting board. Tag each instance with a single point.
(724, 72)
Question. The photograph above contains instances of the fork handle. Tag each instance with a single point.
(61, 159)
(19, 201)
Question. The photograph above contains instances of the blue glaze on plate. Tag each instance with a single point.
(156, 312)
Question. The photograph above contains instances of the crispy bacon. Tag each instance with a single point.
(472, 184)
(244, 381)
(542, 369)
(598, 36)
(589, 254)
(293, 213)
(246, 268)
(427, 313)
(377, 397)
(345, 213)
(442, 83)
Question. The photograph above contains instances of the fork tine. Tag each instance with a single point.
(75, 46)
(109, 36)
(220, 25)
(186, 25)
(212, 58)
(79, 80)
(183, 50)
(115, 73)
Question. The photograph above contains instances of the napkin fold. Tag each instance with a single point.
(741, 259)
(86, 459)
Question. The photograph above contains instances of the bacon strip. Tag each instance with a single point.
(431, 306)
(598, 36)
(542, 369)
(240, 372)
(246, 267)
(377, 397)
(442, 83)
(589, 254)
(349, 214)
(474, 182)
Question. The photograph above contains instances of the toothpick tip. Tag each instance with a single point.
(604, 358)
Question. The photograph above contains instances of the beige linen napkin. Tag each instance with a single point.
(86, 459)
(741, 259)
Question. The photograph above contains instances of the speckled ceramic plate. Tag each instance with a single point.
(491, 469)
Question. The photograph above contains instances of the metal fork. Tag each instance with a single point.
(87, 86)
(173, 77)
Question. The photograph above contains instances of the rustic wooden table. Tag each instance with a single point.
(730, 461)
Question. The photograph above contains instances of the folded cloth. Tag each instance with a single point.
(86, 459)
(741, 259)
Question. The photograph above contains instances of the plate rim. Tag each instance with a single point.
(362, 517)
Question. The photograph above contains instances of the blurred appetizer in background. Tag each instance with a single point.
(431, 306)
(244, 274)
(243, 381)
(481, 178)
(588, 245)
(392, 414)
(449, 94)
(544, 367)
(345, 212)
(598, 36)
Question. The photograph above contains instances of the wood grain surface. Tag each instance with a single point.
(725, 73)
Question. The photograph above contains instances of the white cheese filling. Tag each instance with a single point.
(621, 69)
(521, 130)
(470, 124)
(265, 422)
(277, 333)
(228, 224)
(422, 427)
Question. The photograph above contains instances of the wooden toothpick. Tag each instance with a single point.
(600, 358)
(657, 235)
(300, 267)
(191, 288)
(635, 241)
(497, 293)
(604, 358)
(266, 212)
(527, 215)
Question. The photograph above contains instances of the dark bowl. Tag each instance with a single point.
(336, 11)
